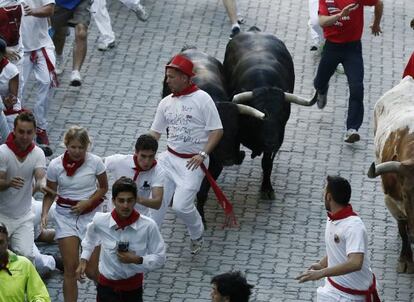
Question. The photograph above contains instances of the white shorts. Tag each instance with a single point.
(68, 225)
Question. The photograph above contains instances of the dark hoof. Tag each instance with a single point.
(241, 157)
(268, 195)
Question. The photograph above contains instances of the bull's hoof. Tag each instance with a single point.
(268, 195)
(401, 266)
(410, 267)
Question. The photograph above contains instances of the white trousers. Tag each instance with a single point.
(315, 29)
(184, 184)
(41, 73)
(21, 237)
(42, 262)
(4, 126)
(100, 14)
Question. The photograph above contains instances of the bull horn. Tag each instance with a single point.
(387, 167)
(291, 98)
(247, 110)
(242, 97)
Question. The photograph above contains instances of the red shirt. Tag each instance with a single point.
(409, 69)
(349, 28)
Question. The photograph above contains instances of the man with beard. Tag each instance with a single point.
(346, 265)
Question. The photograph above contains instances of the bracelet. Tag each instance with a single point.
(203, 154)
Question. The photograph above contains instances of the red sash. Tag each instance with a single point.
(122, 285)
(68, 203)
(371, 294)
(126, 222)
(221, 198)
(138, 169)
(10, 19)
(50, 67)
(12, 146)
(188, 90)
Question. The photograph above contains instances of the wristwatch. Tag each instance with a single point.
(203, 154)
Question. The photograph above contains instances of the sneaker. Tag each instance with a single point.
(352, 136)
(234, 31)
(196, 245)
(322, 100)
(59, 65)
(141, 12)
(314, 48)
(75, 78)
(240, 19)
(103, 46)
(58, 261)
(340, 69)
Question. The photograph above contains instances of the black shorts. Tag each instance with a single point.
(108, 294)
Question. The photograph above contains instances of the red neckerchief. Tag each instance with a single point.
(189, 89)
(138, 169)
(70, 165)
(126, 222)
(343, 213)
(12, 146)
(3, 63)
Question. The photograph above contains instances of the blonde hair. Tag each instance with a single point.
(77, 133)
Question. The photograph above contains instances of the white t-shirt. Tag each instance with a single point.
(119, 165)
(189, 119)
(16, 203)
(81, 185)
(343, 237)
(9, 72)
(34, 30)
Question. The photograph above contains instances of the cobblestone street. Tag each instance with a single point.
(275, 240)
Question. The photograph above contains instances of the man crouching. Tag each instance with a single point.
(131, 244)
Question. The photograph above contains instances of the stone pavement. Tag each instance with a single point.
(276, 240)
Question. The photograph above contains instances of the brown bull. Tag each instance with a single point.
(394, 149)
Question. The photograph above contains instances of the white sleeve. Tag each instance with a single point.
(100, 167)
(10, 71)
(90, 241)
(159, 176)
(160, 123)
(155, 257)
(3, 162)
(52, 174)
(356, 239)
(212, 116)
(40, 159)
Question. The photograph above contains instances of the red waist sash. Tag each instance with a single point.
(67, 203)
(371, 294)
(128, 284)
(221, 198)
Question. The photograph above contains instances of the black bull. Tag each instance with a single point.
(259, 65)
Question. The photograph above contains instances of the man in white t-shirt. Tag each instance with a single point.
(346, 265)
(145, 171)
(131, 245)
(194, 129)
(20, 162)
(39, 57)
